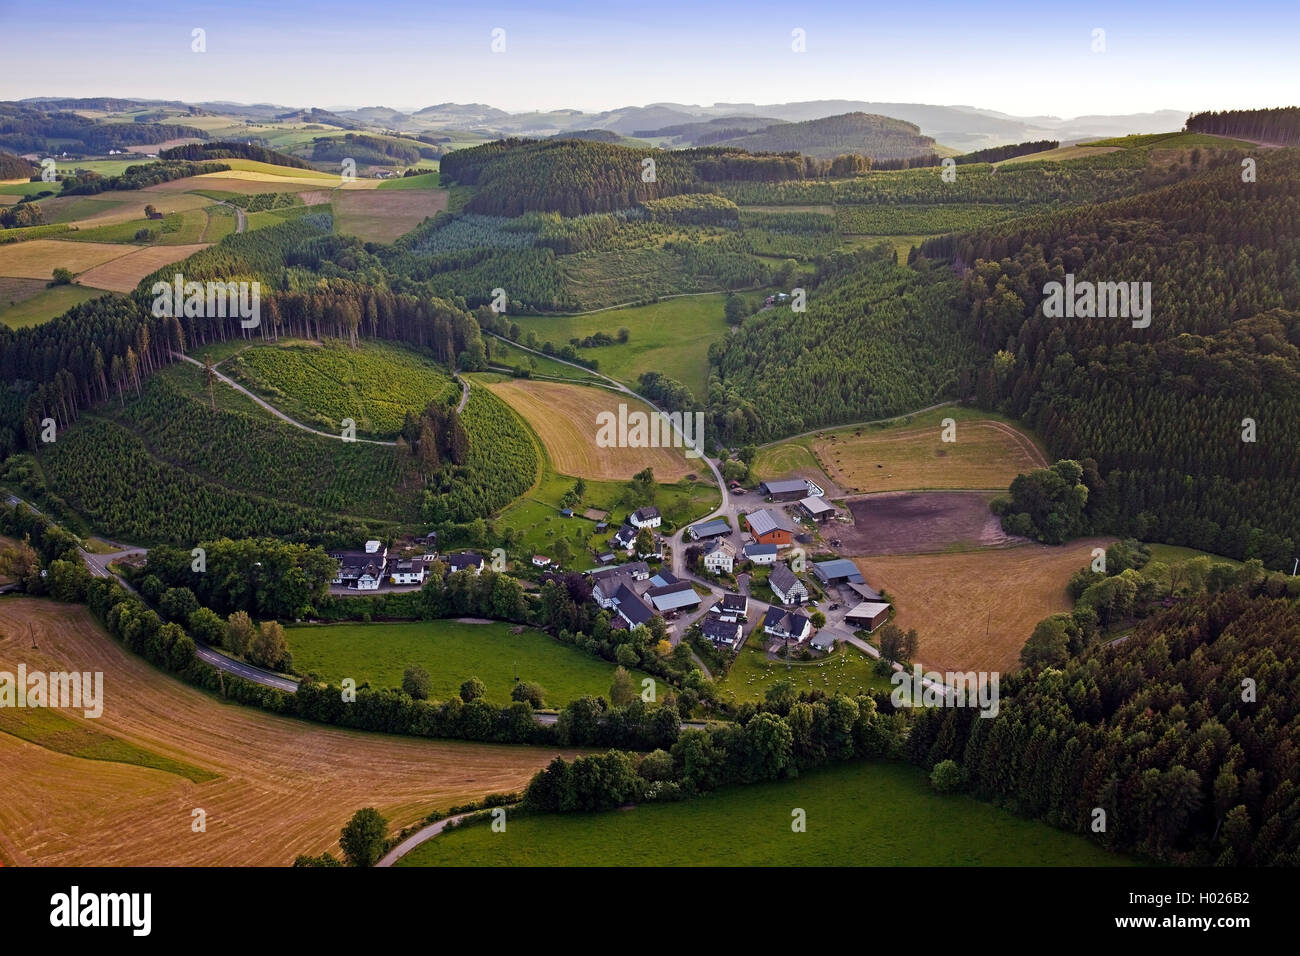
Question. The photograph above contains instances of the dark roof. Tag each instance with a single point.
(632, 607)
(791, 622)
(464, 559)
(718, 630)
(665, 578)
(838, 568)
(645, 514)
(710, 529)
(734, 602)
(782, 578)
(784, 486)
(753, 549)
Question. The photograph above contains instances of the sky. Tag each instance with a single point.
(1022, 58)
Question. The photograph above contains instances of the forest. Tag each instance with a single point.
(1278, 127)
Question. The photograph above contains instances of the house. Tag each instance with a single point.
(709, 529)
(732, 607)
(823, 641)
(624, 538)
(465, 561)
(786, 489)
(868, 615)
(769, 527)
(787, 625)
(673, 597)
(760, 553)
(631, 608)
(406, 571)
(637, 570)
(360, 571)
(721, 631)
(837, 571)
(817, 508)
(787, 588)
(720, 557)
(541, 561)
(605, 588)
(645, 518)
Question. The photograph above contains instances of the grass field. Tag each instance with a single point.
(451, 651)
(672, 337)
(382, 216)
(124, 273)
(321, 383)
(1174, 553)
(848, 670)
(44, 305)
(507, 354)
(976, 609)
(1060, 154)
(565, 418)
(1174, 140)
(282, 786)
(858, 814)
(423, 181)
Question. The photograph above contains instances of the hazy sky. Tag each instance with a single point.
(1027, 58)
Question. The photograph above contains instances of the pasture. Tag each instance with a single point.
(451, 651)
(975, 610)
(565, 419)
(848, 671)
(671, 337)
(42, 304)
(279, 786)
(863, 813)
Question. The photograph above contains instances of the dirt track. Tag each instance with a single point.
(286, 786)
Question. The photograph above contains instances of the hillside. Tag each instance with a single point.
(879, 137)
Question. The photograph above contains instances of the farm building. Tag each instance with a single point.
(709, 529)
(566, 512)
(761, 553)
(769, 527)
(787, 588)
(787, 625)
(645, 518)
(607, 557)
(721, 631)
(868, 615)
(865, 591)
(823, 641)
(817, 508)
(631, 608)
(837, 571)
(786, 489)
(663, 579)
(732, 607)
(465, 561)
(720, 557)
(673, 597)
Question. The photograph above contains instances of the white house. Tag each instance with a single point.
(645, 518)
(732, 608)
(761, 553)
(787, 625)
(720, 557)
(541, 561)
(406, 572)
(787, 588)
(465, 561)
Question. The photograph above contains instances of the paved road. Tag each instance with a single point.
(272, 409)
(247, 671)
(464, 396)
(418, 837)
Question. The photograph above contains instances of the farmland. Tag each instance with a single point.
(320, 384)
(43, 304)
(905, 522)
(671, 337)
(281, 787)
(38, 258)
(125, 272)
(382, 216)
(564, 417)
(975, 610)
(859, 814)
(451, 651)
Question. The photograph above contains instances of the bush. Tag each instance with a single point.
(528, 692)
(416, 682)
(947, 777)
(362, 839)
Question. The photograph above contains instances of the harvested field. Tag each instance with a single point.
(922, 522)
(124, 274)
(284, 786)
(974, 611)
(145, 149)
(986, 454)
(564, 417)
(382, 216)
(38, 258)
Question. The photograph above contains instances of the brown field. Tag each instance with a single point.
(124, 274)
(38, 258)
(128, 205)
(377, 216)
(564, 417)
(920, 522)
(234, 182)
(975, 610)
(284, 786)
(13, 291)
(144, 149)
(986, 454)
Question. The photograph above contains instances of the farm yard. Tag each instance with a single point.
(906, 522)
(451, 651)
(272, 787)
(975, 610)
(864, 813)
(564, 418)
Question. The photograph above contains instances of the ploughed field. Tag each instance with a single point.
(278, 787)
(918, 522)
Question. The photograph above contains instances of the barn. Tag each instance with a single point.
(785, 489)
(868, 615)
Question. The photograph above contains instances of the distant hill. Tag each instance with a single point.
(880, 137)
(708, 132)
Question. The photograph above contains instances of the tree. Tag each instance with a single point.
(269, 647)
(1049, 644)
(734, 309)
(645, 542)
(23, 564)
(891, 642)
(534, 694)
(416, 682)
(623, 691)
(239, 633)
(68, 580)
(362, 838)
(781, 696)
(207, 626)
(472, 689)
(947, 777)
(177, 604)
(562, 552)
(818, 619)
